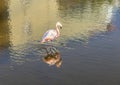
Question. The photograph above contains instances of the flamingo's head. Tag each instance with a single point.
(59, 25)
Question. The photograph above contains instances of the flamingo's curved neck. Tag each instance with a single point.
(57, 30)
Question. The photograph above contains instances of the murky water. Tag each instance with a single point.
(86, 53)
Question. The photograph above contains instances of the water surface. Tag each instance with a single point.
(88, 47)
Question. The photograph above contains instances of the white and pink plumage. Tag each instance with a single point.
(52, 33)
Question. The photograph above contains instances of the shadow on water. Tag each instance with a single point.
(4, 24)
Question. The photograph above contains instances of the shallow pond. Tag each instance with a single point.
(86, 53)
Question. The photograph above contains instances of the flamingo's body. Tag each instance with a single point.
(52, 34)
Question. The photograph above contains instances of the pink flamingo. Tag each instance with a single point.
(52, 33)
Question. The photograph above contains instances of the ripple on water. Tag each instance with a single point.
(24, 53)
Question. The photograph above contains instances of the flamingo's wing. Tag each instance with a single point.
(49, 34)
(45, 34)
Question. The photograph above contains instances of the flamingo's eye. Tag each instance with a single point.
(60, 27)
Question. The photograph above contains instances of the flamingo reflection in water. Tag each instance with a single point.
(52, 57)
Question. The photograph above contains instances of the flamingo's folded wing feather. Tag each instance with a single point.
(49, 33)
